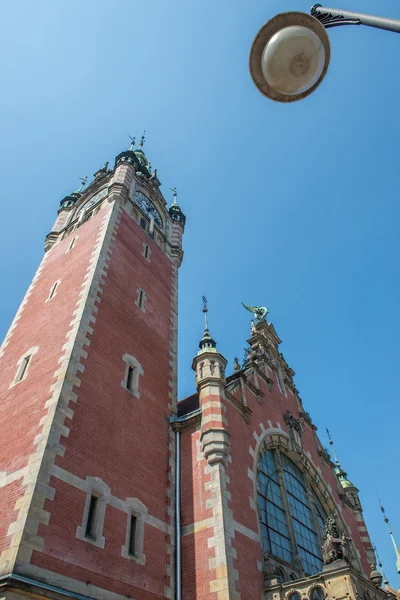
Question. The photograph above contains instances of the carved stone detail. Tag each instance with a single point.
(295, 431)
(215, 445)
(335, 546)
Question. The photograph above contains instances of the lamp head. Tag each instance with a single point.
(290, 56)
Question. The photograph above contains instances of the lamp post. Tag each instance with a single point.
(290, 54)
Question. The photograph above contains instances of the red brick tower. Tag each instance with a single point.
(87, 386)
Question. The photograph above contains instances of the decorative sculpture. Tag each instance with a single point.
(295, 430)
(259, 312)
(335, 545)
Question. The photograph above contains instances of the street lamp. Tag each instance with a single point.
(290, 54)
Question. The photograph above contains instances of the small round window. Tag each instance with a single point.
(317, 594)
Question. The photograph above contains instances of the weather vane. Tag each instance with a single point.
(133, 142)
(175, 193)
(83, 180)
(142, 140)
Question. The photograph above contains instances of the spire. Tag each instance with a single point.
(341, 474)
(174, 210)
(133, 141)
(333, 448)
(206, 343)
(392, 536)
(385, 579)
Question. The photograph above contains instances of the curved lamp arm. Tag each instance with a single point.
(333, 17)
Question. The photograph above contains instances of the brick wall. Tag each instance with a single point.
(102, 430)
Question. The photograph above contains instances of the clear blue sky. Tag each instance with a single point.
(295, 207)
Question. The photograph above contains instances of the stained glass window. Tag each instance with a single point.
(274, 520)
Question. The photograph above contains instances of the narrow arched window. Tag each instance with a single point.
(291, 515)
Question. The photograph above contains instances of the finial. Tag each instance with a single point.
(206, 343)
(133, 142)
(175, 193)
(385, 518)
(142, 140)
(385, 580)
(333, 449)
(83, 180)
(105, 168)
(205, 311)
(236, 364)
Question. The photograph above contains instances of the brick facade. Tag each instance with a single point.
(89, 414)
(71, 428)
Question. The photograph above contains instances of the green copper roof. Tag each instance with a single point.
(207, 343)
(342, 476)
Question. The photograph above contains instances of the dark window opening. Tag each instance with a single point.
(132, 536)
(143, 223)
(140, 300)
(24, 367)
(146, 251)
(53, 290)
(129, 380)
(91, 520)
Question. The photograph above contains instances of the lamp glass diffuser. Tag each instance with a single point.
(293, 60)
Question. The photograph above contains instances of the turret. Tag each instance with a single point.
(349, 489)
(209, 366)
(67, 204)
(177, 228)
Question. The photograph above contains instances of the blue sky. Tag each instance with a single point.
(295, 207)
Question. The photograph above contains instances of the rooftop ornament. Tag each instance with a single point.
(259, 312)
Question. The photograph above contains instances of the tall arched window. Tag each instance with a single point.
(290, 521)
